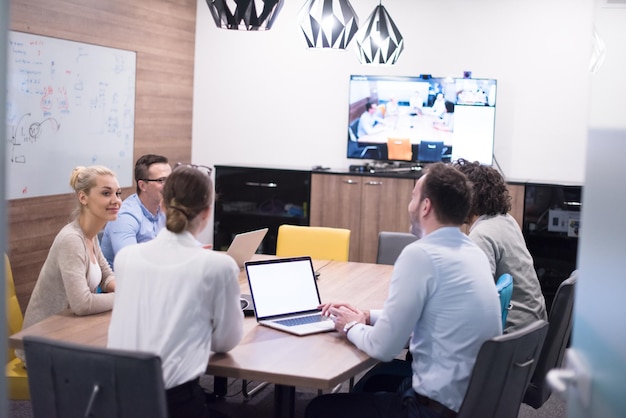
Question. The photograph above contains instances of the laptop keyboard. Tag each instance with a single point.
(292, 322)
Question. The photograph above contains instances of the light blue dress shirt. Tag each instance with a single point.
(367, 121)
(134, 224)
(442, 295)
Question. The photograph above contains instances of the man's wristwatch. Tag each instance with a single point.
(349, 326)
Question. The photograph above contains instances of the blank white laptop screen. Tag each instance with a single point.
(284, 288)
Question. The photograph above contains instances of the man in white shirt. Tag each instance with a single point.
(442, 296)
(369, 122)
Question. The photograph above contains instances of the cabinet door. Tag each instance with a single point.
(516, 191)
(384, 207)
(336, 202)
(251, 198)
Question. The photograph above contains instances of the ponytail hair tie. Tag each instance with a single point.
(182, 210)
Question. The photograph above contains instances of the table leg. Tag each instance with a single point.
(284, 401)
(220, 386)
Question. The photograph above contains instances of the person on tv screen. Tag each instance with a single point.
(499, 235)
(439, 106)
(392, 108)
(176, 299)
(442, 298)
(369, 122)
(446, 122)
(140, 218)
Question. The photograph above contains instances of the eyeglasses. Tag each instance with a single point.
(206, 169)
(160, 180)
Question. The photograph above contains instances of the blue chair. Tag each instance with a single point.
(505, 290)
(430, 151)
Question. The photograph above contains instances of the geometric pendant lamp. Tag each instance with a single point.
(379, 41)
(244, 14)
(328, 23)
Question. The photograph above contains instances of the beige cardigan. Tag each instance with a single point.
(62, 282)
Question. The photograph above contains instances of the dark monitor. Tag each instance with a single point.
(71, 380)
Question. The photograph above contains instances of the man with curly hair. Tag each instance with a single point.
(498, 234)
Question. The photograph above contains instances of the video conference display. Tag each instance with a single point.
(421, 119)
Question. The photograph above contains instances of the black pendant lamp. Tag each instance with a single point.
(379, 41)
(328, 23)
(244, 14)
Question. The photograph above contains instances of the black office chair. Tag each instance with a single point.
(502, 371)
(559, 331)
(71, 380)
(391, 244)
(353, 130)
(359, 151)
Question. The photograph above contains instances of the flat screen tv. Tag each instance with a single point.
(421, 119)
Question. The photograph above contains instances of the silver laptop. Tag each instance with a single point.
(285, 295)
(245, 245)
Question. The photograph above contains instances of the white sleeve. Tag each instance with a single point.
(228, 325)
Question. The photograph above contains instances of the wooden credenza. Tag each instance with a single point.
(365, 205)
(516, 191)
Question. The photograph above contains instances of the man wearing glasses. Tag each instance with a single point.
(140, 218)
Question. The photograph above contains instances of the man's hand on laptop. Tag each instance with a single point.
(344, 313)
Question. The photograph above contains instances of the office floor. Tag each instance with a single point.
(260, 406)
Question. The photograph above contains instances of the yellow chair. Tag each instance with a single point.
(17, 379)
(319, 242)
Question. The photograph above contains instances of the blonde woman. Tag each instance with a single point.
(75, 274)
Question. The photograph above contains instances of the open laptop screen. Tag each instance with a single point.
(282, 286)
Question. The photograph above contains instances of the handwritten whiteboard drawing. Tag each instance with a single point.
(28, 132)
(68, 104)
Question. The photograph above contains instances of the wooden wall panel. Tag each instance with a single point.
(163, 35)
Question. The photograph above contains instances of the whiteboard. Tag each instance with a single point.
(68, 104)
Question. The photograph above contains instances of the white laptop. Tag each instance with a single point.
(285, 295)
(245, 245)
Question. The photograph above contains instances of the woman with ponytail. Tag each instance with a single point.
(176, 299)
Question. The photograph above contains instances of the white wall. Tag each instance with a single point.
(608, 84)
(263, 98)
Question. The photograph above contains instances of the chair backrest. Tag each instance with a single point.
(560, 319)
(399, 149)
(316, 241)
(70, 380)
(505, 290)
(391, 244)
(353, 130)
(15, 318)
(430, 151)
(502, 371)
(372, 152)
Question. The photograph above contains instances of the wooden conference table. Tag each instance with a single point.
(319, 361)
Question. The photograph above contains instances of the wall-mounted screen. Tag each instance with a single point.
(421, 118)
